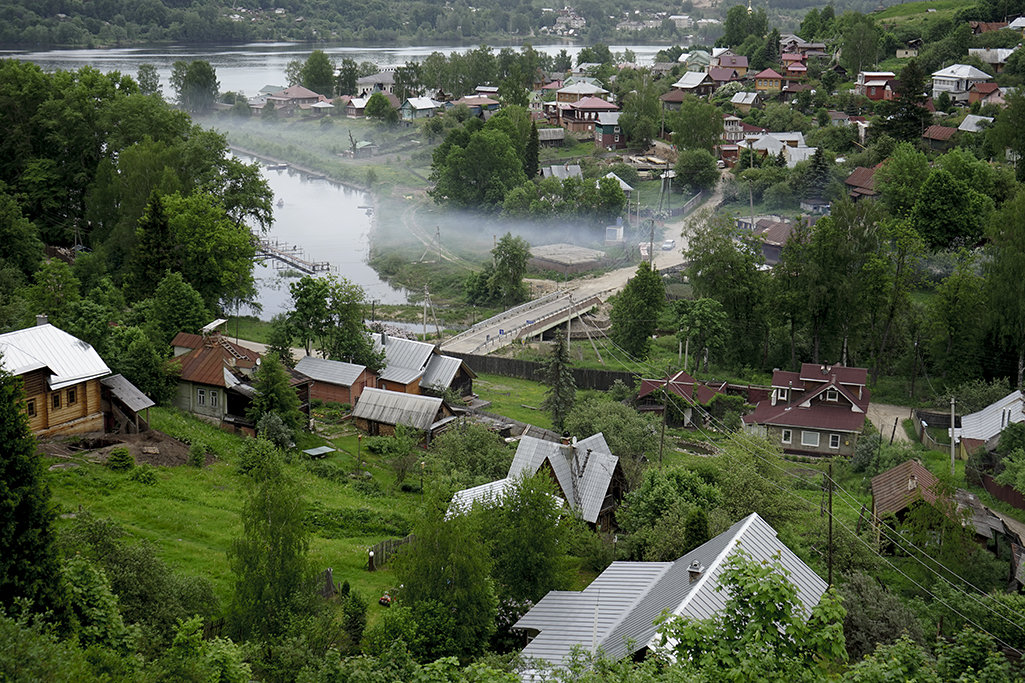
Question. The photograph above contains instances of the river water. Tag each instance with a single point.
(248, 68)
(328, 222)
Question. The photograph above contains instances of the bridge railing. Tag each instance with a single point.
(508, 313)
(519, 331)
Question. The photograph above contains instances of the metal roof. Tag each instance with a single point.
(330, 371)
(440, 371)
(583, 477)
(127, 393)
(463, 500)
(547, 134)
(395, 408)
(960, 71)
(973, 123)
(404, 359)
(615, 614)
(991, 420)
(691, 79)
(70, 359)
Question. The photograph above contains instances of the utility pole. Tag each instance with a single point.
(425, 312)
(830, 522)
(914, 371)
(651, 243)
(951, 436)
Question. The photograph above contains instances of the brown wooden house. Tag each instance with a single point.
(61, 376)
(336, 381)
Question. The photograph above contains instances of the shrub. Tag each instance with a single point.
(120, 460)
(197, 455)
(272, 428)
(144, 474)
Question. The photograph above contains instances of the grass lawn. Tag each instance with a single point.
(191, 515)
(510, 397)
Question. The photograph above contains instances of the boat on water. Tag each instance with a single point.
(277, 167)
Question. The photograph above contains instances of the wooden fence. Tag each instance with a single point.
(1002, 492)
(928, 418)
(586, 378)
(379, 554)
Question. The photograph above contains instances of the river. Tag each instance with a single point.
(248, 68)
(328, 222)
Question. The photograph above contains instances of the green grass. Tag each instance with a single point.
(192, 515)
(508, 396)
(913, 9)
(566, 152)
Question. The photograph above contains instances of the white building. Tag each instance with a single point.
(956, 80)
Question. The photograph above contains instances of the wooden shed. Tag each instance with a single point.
(336, 381)
(379, 411)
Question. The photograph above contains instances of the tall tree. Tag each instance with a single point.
(509, 258)
(950, 212)
(345, 334)
(307, 316)
(697, 125)
(149, 79)
(274, 394)
(957, 321)
(531, 158)
(705, 322)
(28, 563)
(635, 311)
(900, 178)
(557, 375)
(449, 590)
(348, 73)
(642, 111)
(906, 117)
(269, 560)
(318, 74)
(195, 85)
(1005, 283)
(177, 307)
(859, 42)
(155, 250)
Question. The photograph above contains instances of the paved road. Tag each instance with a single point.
(485, 336)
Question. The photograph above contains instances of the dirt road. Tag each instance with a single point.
(883, 415)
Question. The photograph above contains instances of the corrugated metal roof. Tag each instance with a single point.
(624, 601)
(394, 408)
(70, 359)
(584, 479)
(404, 359)
(493, 491)
(440, 372)
(127, 392)
(330, 371)
(991, 420)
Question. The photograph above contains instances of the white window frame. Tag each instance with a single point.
(213, 398)
(201, 397)
(832, 395)
(805, 434)
(787, 436)
(834, 441)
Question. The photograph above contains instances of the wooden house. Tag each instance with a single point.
(61, 377)
(768, 81)
(416, 367)
(939, 137)
(607, 133)
(378, 412)
(336, 381)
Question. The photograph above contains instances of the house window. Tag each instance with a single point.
(788, 436)
(616, 138)
(30, 407)
(201, 397)
(781, 394)
(71, 397)
(213, 398)
(55, 400)
(832, 395)
(810, 439)
(834, 441)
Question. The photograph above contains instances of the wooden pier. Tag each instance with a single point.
(291, 256)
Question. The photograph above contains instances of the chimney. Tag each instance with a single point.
(912, 483)
(384, 338)
(41, 320)
(695, 570)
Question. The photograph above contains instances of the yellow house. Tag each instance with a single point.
(61, 376)
(768, 81)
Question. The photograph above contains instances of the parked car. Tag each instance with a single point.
(669, 245)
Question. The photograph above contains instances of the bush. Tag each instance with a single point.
(197, 454)
(272, 428)
(144, 474)
(120, 460)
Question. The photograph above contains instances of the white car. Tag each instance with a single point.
(668, 245)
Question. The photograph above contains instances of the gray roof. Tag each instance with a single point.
(608, 118)
(583, 477)
(745, 98)
(622, 183)
(692, 79)
(380, 78)
(991, 420)
(404, 359)
(615, 614)
(127, 393)
(70, 359)
(973, 123)
(440, 372)
(330, 371)
(562, 171)
(396, 408)
(547, 134)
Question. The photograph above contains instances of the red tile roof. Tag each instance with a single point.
(862, 181)
(939, 133)
(802, 410)
(768, 73)
(680, 384)
(898, 487)
(985, 88)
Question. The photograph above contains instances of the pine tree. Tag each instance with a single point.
(28, 561)
(154, 252)
(531, 157)
(558, 376)
(635, 311)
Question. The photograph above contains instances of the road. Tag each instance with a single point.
(496, 332)
(883, 415)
